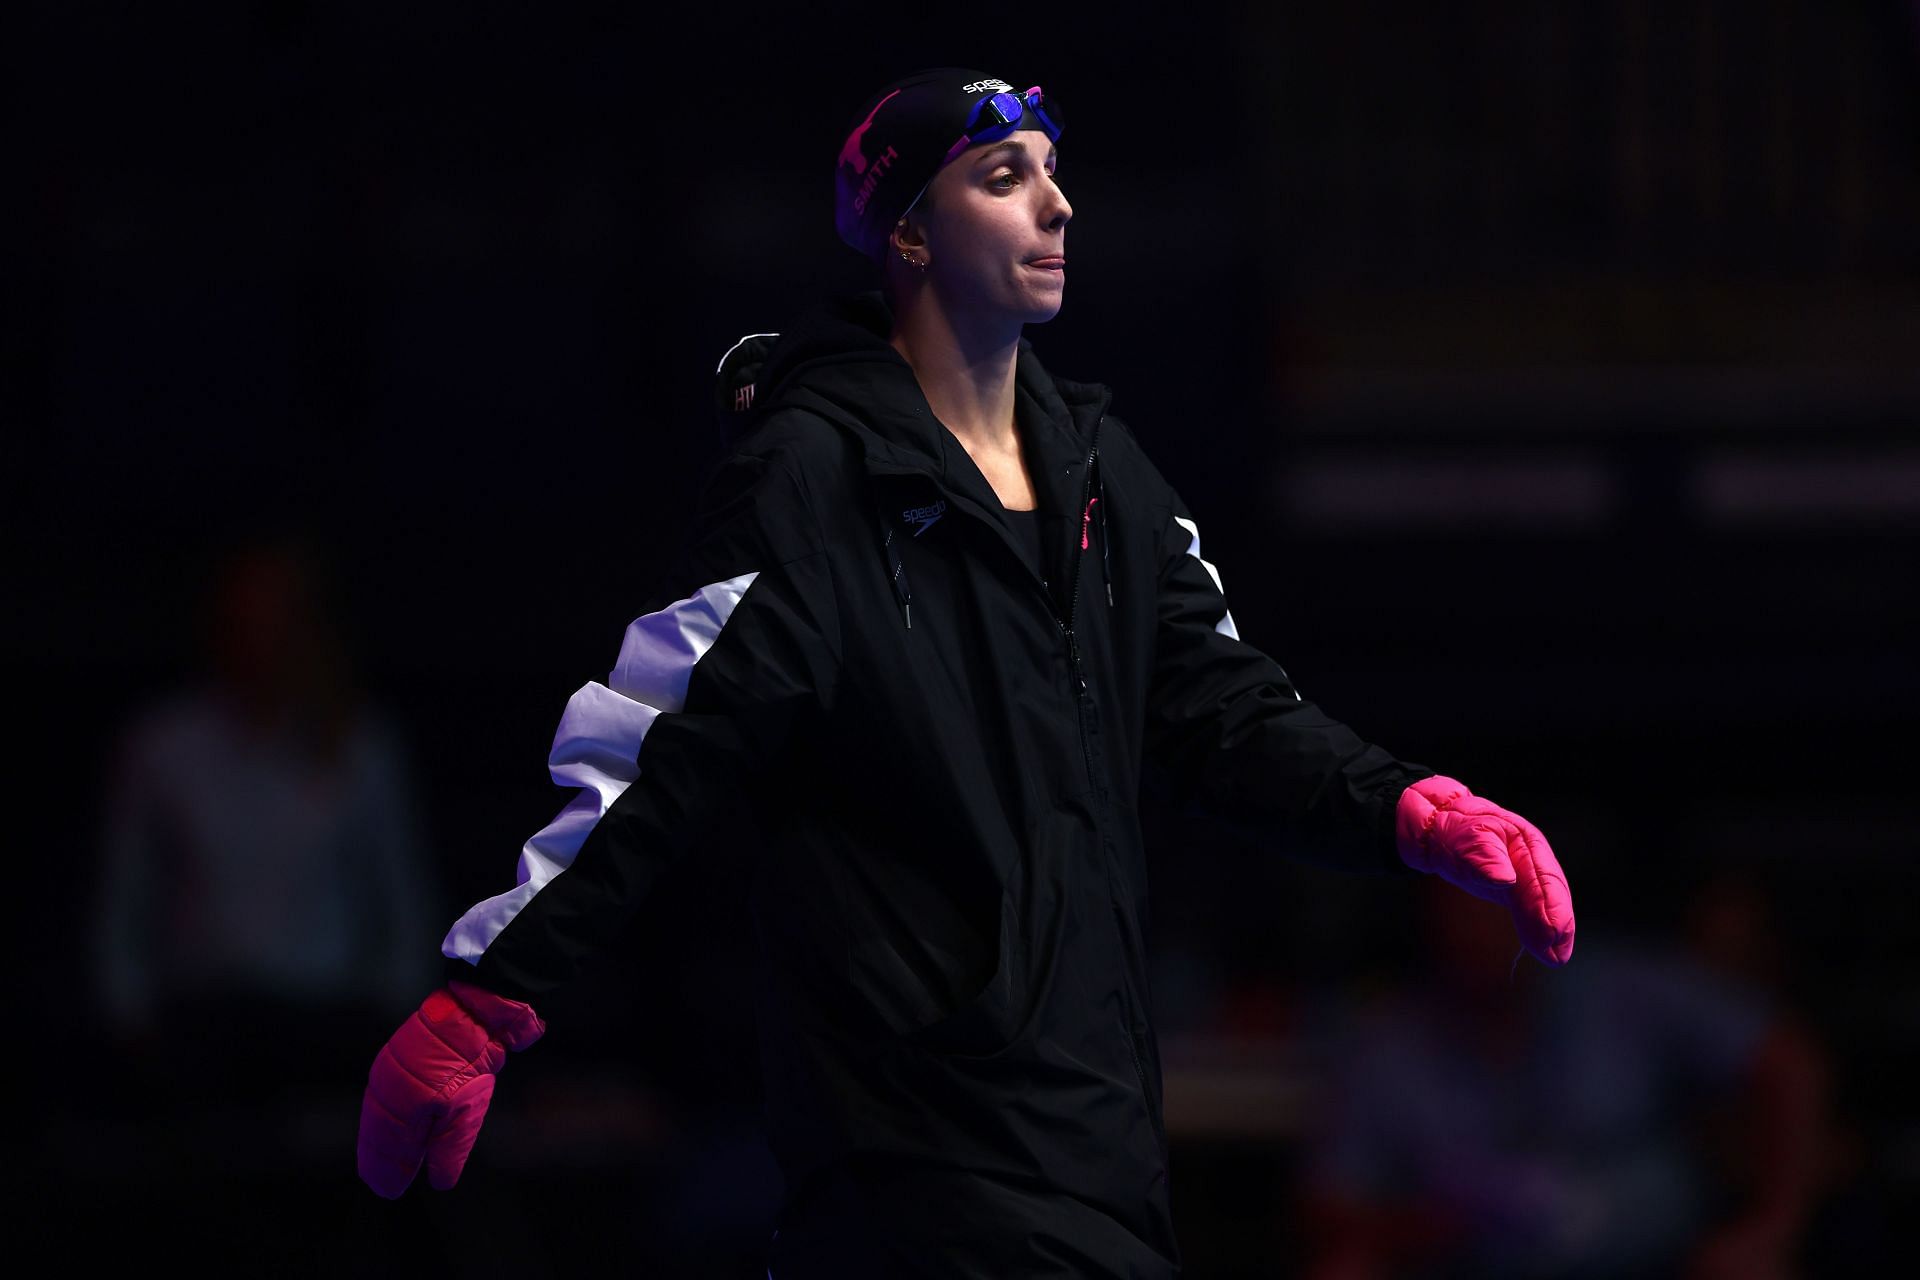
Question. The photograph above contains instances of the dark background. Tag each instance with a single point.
(1545, 379)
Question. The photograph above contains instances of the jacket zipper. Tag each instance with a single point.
(1073, 607)
(1073, 599)
(1081, 695)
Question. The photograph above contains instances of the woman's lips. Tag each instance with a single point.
(1049, 264)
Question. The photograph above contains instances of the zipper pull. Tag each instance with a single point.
(1073, 657)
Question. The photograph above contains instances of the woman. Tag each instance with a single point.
(938, 609)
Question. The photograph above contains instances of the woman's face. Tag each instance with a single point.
(997, 212)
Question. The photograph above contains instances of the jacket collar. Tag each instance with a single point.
(837, 362)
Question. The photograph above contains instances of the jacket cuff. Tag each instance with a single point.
(453, 969)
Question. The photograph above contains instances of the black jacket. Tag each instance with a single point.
(960, 1065)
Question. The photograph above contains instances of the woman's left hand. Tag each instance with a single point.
(1467, 840)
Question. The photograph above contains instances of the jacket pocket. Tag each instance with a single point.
(909, 984)
(1042, 945)
(980, 1025)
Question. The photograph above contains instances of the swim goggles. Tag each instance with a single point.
(999, 114)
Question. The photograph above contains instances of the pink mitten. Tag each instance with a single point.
(430, 1084)
(1469, 841)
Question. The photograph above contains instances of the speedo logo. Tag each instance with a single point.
(924, 516)
(998, 86)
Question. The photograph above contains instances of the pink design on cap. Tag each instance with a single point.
(850, 152)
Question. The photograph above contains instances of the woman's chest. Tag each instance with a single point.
(1008, 475)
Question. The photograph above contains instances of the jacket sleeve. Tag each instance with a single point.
(1227, 723)
(712, 683)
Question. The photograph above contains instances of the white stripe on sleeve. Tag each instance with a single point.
(1225, 626)
(597, 746)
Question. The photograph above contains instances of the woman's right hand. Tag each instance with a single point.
(430, 1084)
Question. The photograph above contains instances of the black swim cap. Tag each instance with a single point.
(899, 140)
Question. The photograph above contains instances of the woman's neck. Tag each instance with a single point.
(967, 376)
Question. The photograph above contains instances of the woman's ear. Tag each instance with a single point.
(907, 235)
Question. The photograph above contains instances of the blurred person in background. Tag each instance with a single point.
(937, 610)
(264, 898)
(1642, 1113)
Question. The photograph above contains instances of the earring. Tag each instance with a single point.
(909, 258)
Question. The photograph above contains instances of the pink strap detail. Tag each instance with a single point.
(1086, 518)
